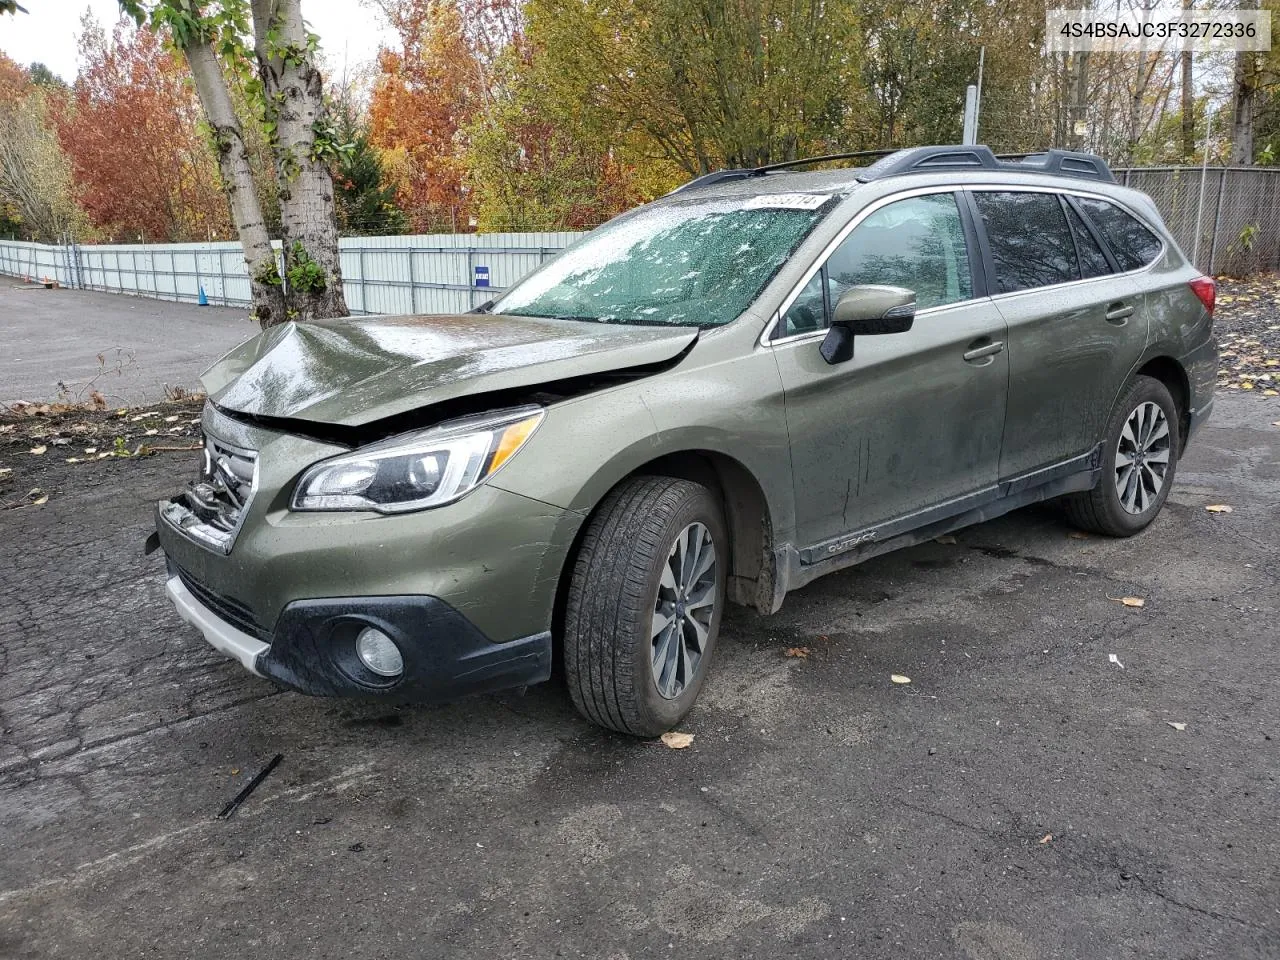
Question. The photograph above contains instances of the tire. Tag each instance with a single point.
(1103, 509)
(612, 605)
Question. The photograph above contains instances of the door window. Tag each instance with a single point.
(1093, 262)
(1030, 241)
(1133, 244)
(917, 243)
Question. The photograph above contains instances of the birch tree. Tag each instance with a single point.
(214, 38)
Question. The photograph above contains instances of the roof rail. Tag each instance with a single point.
(741, 173)
(896, 163)
(1064, 163)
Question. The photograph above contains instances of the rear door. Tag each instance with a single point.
(1077, 325)
(914, 419)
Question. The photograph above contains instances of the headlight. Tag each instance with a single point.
(418, 470)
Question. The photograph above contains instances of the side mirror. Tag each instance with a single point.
(867, 310)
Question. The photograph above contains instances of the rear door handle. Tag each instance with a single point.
(1119, 313)
(987, 350)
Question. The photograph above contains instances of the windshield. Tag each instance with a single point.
(698, 263)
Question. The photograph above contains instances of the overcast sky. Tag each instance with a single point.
(47, 32)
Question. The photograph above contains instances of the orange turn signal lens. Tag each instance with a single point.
(511, 440)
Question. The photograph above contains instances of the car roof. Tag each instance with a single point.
(930, 165)
(1055, 169)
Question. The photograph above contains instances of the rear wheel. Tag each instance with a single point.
(1139, 459)
(644, 603)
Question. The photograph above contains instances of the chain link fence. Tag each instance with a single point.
(1226, 219)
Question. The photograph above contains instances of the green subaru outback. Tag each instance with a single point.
(762, 378)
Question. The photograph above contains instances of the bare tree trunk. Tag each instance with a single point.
(1244, 103)
(294, 93)
(237, 181)
(1188, 101)
(1077, 99)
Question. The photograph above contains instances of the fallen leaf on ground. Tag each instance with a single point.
(1078, 535)
(90, 449)
(1271, 393)
(38, 450)
(1116, 660)
(899, 678)
(5, 471)
(38, 496)
(945, 538)
(1218, 508)
(676, 740)
(1046, 838)
(73, 460)
(800, 652)
(1129, 601)
(173, 419)
(1177, 726)
(151, 433)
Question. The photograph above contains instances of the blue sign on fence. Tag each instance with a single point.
(482, 276)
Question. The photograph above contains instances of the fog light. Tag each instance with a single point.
(377, 652)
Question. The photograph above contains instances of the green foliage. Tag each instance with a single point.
(304, 274)
(703, 83)
(42, 76)
(268, 275)
(365, 200)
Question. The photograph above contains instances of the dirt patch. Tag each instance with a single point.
(42, 446)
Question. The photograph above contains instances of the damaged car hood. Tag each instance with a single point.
(355, 372)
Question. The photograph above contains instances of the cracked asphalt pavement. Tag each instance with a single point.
(1022, 798)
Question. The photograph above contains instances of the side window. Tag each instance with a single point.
(1030, 241)
(1093, 262)
(917, 243)
(1133, 244)
(807, 312)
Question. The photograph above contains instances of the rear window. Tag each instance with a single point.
(1093, 262)
(1133, 244)
(1030, 241)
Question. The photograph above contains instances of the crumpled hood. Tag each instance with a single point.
(353, 372)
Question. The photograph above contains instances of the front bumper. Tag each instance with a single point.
(312, 649)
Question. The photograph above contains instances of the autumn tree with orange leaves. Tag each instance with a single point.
(141, 164)
(426, 93)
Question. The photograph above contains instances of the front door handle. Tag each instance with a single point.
(1118, 313)
(986, 350)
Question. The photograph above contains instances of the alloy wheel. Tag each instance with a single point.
(1142, 457)
(684, 609)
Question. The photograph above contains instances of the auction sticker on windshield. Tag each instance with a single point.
(787, 201)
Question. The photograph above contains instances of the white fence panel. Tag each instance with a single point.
(429, 273)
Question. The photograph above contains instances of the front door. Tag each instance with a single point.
(914, 419)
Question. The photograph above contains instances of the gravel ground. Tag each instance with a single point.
(1064, 776)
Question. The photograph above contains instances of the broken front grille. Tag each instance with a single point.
(213, 506)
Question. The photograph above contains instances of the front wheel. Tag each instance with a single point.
(1139, 459)
(644, 603)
